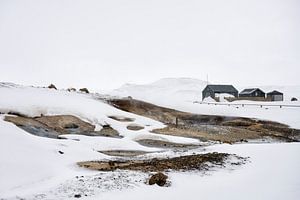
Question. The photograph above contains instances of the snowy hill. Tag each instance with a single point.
(33, 167)
(180, 93)
(164, 90)
(23, 154)
(186, 89)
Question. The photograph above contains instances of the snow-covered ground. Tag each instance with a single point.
(32, 168)
(273, 174)
(29, 163)
(181, 93)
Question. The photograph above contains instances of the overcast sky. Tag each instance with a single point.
(105, 43)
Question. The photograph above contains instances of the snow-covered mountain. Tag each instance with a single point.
(165, 90)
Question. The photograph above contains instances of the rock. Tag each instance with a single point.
(106, 126)
(159, 179)
(84, 90)
(294, 99)
(71, 90)
(51, 86)
(77, 195)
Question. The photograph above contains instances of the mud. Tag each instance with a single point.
(183, 163)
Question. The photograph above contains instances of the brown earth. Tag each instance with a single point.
(209, 127)
(165, 144)
(183, 163)
(134, 127)
(53, 126)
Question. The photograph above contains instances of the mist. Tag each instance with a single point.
(104, 44)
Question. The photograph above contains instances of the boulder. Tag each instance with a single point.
(294, 99)
(52, 86)
(160, 179)
(71, 90)
(84, 90)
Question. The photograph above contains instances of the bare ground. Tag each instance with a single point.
(135, 127)
(209, 127)
(182, 163)
(54, 126)
(166, 145)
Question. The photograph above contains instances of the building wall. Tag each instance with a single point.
(248, 98)
(276, 97)
(207, 93)
(256, 93)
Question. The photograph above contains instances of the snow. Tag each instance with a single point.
(273, 173)
(164, 90)
(171, 93)
(222, 97)
(209, 99)
(31, 165)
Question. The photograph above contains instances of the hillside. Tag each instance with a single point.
(180, 93)
(79, 161)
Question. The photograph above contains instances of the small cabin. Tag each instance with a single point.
(275, 96)
(253, 93)
(212, 90)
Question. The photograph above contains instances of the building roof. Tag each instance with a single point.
(275, 92)
(222, 88)
(250, 90)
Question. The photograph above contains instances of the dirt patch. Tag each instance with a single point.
(53, 126)
(209, 127)
(183, 163)
(220, 134)
(66, 124)
(134, 127)
(166, 144)
(108, 131)
(124, 153)
(121, 118)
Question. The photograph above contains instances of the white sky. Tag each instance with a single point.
(104, 43)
